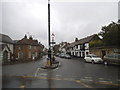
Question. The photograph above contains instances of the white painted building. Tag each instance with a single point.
(80, 48)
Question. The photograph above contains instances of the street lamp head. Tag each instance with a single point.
(53, 35)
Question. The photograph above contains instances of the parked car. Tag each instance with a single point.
(62, 55)
(67, 56)
(93, 58)
(58, 54)
(113, 58)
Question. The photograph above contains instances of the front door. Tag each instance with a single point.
(5, 57)
(83, 54)
(103, 53)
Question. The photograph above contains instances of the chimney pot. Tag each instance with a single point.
(76, 39)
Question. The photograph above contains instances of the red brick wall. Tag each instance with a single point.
(25, 50)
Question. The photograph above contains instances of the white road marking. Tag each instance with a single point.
(87, 80)
(37, 71)
(58, 75)
(91, 80)
(101, 79)
(43, 74)
(22, 86)
(84, 79)
(88, 77)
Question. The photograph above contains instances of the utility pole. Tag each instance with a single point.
(49, 41)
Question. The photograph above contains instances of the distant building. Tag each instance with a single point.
(28, 49)
(62, 47)
(80, 48)
(6, 49)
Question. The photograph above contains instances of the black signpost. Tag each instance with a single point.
(50, 64)
(49, 42)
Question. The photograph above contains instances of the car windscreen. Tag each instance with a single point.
(95, 56)
(117, 56)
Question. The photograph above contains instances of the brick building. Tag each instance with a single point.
(27, 49)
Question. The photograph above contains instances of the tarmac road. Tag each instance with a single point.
(71, 73)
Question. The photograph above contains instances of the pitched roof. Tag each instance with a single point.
(85, 40)
(26, 41)
(81, 41)
(2, 46)
(15, 41)
(65, 45)
(5, 39)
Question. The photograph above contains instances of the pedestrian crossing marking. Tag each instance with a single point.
(86, 85)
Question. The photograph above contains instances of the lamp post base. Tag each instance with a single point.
(53, 66)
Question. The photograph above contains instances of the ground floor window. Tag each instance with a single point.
(5, 57)
(86, 53)
(80, 54)
(36, 54)
(20, 55)
(83, 54)
(76, 53)
(29, 55)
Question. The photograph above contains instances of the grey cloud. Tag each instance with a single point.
(68, 19)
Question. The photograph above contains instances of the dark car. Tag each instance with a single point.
(113, 58)
(58, 54)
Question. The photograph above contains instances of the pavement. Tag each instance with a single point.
(71, 73)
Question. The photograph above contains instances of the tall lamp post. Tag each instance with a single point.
(49, 41)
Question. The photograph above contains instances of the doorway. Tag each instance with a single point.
(103, 53)
(5, 57)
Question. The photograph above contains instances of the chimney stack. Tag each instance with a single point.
(30, 37)
(76, 39)
(25, 36)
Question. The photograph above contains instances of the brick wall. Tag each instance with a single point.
(28, 52)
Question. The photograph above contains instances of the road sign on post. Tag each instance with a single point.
(53, 42)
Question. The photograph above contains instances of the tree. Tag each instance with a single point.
(96, 43)
(110, 34)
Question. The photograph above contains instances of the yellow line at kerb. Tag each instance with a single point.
(108, 83)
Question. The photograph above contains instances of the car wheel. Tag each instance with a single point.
(105, 63)
(85, 61)
(93, 62)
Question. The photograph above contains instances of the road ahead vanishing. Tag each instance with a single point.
(71, 73)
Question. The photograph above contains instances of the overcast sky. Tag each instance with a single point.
(69, 18)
